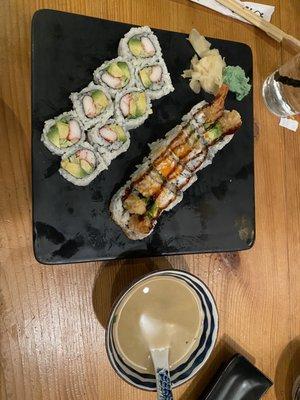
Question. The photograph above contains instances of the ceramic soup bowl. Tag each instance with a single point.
(200, 353)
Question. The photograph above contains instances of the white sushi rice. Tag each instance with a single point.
(140, 170)
(156, 90)
(214, 149)
(184, 180)
(119, 214)
(131, 123)
(76, 99)
(99, 72)
(99, 167)
(174, 203)
(124, 51)
(195, 164)
(69, 115)
(109, 155)
(190, 115)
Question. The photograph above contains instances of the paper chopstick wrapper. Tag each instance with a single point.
(262, 10)
(291, 124)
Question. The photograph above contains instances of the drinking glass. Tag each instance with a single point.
(281, 89)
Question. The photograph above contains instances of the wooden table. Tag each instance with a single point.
(52, 344)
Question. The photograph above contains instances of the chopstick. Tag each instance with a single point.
(259, 22)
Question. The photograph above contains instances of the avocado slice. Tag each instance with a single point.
(73, 169)
(133, 108)
(124, 67)
(73, 159)
(53, 136)
(153, 211)
(64, 143)
(119, 131)
(141, 104)
(145, 77)
(193, 139)
(114, 70)
(87, 167)
(63, 129)
(99, 98)
(213, 134)
(135, 46)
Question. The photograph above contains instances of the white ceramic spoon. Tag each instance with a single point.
(160, 358)
(155, 333)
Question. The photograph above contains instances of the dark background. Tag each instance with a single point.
(73, 224)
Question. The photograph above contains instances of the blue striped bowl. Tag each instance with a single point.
(197, 358)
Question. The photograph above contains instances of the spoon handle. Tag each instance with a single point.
(160, 358)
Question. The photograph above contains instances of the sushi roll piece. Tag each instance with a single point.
(195, 111)
(62, 133)
(194, 164)
(128, 208)
(81, 165)
(137, 213)
(138, 44)
(115, 75)
(215, 137)
(149, 184)
(166, 199)
(221, 134)
(203, 115)
(140, 203)
(93, 105)
(166, 163)
(132, 107)
(181, 178)
(192, 153)
(136, 226)
(159, 146)
(225, 124)
(139, 227)
(175, 137)
(110, 139)
(135, 203)
(141, 170)
(153, 77)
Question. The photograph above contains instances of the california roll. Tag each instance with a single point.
(81, 165)
(153, 77)
(92, 105)
(132, 107)
(138, 44)
(62, 133)
(110, 139)
(115, 75)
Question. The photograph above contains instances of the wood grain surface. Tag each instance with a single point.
(53, 317)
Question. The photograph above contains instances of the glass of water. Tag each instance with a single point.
(281, 89)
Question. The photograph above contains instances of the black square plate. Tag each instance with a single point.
(72, 224)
